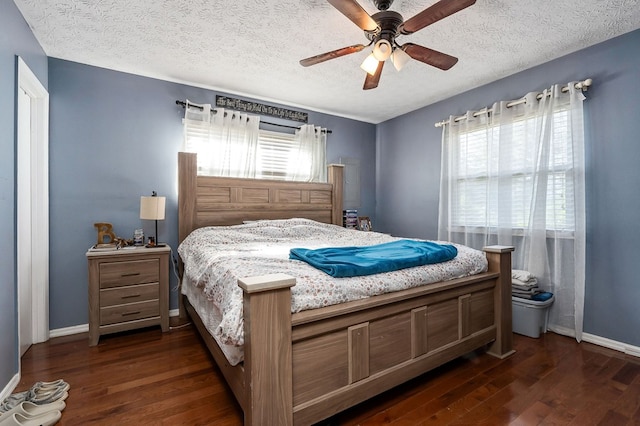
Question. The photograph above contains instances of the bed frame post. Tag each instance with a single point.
(187, 176)
(335, 176)
(499, 258)
(268, 350)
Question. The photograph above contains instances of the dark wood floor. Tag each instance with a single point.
(147, 377)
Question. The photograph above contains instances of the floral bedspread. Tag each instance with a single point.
(215, 257)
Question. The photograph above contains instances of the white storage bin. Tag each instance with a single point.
(530, 317)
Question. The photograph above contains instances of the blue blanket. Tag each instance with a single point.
(341, 262)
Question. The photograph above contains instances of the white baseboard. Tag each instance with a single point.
(8, 390)
(612, 344)
(67, 331)
(625, 348)
(83, 328)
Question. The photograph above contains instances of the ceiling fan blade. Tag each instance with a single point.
(434, 13)
(331, 55)
(430, 56)
(371, 81)
(352, 10)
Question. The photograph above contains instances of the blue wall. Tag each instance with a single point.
(408, 152)
(15, 39)
(114, 137)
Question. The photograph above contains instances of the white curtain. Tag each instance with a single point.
(308, 161)
(514, 175)
(226, 141)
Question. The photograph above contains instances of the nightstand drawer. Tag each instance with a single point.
(129, 312)
(118, 274)
(129, 294)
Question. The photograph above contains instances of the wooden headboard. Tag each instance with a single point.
(210, 200)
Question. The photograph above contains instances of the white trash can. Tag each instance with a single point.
(530, 317)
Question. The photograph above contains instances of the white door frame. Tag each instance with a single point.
(23, 222)
(39, 149)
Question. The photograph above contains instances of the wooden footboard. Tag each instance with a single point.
(305, 367)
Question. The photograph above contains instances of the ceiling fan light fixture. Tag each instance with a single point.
(381, 30)
(382, 49)
(399, 58)
(370, 64)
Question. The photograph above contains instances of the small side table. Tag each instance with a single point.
(128, 289)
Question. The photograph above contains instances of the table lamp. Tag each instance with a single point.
(152, 208)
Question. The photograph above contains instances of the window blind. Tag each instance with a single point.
(477, 181)
(275, 151)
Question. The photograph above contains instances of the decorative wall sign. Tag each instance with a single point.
(261, 109)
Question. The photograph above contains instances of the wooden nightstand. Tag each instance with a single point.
(128, 289)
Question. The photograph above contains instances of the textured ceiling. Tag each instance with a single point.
(252, 47)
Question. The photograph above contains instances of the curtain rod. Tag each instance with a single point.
(184, 104)
(581, 85)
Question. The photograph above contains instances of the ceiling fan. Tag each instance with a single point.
(382, 28)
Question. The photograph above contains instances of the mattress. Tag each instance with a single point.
(216, 257)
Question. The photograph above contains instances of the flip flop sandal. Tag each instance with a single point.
(13, 400)
(40, 391)
(29, 409)
(48, 418)
(50, 386)
(48, 397)
(43, 393)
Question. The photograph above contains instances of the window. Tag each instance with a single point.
(514, 175)
(481, 171)
(231, 144)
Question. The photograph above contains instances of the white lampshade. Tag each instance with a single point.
(382, 49)
(152, 208)
(370, 64)
(399, 58)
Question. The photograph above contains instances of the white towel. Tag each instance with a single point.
(530, 283)
(521, 275)
(517, 286)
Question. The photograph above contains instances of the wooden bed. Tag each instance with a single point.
(304, 367)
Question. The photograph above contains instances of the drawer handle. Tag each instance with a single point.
(130, 313)
(130, 296)
(133, 274)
